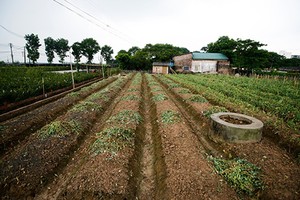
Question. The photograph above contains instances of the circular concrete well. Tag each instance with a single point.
(235, 128)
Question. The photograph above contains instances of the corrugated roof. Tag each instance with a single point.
(160, 63)
(208, 56)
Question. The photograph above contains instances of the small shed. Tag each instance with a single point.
(202, 62)
(160, 68)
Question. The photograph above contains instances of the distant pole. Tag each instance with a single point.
(24, 55)
(11, 53)
(73, 83)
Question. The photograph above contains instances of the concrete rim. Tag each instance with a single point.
(255, 123)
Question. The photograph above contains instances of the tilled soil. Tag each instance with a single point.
(164, 160)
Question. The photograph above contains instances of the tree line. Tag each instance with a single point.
(241, 53)
(87, 47)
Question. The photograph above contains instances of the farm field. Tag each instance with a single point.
(141, 136)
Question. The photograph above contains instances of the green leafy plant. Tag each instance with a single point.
(60, 129)
(159, 97)
(241, 174)
(214, 109)
(184, 91)
(126, 117)
(197, 98)
(170, 117)
(130, 97)
(157, 89)
(86, 106)
(132, 90)
(111, 140)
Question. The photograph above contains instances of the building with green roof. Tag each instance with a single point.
(202, 63)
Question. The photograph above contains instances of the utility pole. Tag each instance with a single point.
(24, 55)
(11, 53)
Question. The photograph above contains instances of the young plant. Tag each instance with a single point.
(126, 117)
(159, 97)
(170, 117)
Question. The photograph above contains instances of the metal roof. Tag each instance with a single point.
(208, 56)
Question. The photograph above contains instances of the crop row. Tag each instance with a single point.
(107, 167)
(286, 108)
(35, 119)
(27, 169)
(21, 83)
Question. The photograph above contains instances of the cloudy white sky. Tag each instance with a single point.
(122, 24)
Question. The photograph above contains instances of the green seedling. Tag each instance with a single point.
(170, 117)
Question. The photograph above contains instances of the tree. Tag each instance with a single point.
(77, 52)
(50, 48)
(133, 50)
(224, 45)
(61, 48)
(124, 60)
(32, 47)
(106, 52)
(89, 48)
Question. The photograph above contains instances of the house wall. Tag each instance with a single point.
(204, 66)
(183, 60)
(160, 70)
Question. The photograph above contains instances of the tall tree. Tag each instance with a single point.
(89, 48)
(106, 52)
(32, 47)
(124, 59)
(50, 48)
(133, 50)
(61, 48)
(77, 52)
(223, 45)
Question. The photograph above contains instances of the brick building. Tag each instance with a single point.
(202, 62)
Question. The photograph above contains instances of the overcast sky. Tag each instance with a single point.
(122, 24)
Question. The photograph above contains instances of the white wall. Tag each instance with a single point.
(204, 66)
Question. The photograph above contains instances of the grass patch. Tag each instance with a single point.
(130, 97)
(214, 109)
(86, 106)
(159, 97)
(197, 98)
(170, 117)
(60, 129)
(241, 174)
(112, 140)
(126, 117)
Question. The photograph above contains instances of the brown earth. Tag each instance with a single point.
(165, 160)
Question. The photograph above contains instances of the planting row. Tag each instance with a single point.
(266, 176)
(17, 84)
(27, 169)
(16, 129)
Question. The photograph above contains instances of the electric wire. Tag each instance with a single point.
(13, 33)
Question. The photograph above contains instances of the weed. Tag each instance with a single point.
(214, 109)
(60, 129)
(159, 97)
(197, 98)
(170, 117)
(241, 174)
(130, 97)
(126, 117)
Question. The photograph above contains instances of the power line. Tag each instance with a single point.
(13, 33)
(80, 15)
(102, 22)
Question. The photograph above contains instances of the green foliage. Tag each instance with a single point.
(184, 91)
(159, 97)
(32, 47)
(89, 47)
(106, 52)
(87, 106)
(126, 117)
(20, 83)
(197, 98)
(132, 90)
(77, 51)
(241, 174)
(61, 48)
(111, 140)
(60, 129)
(170, 117)
(157, 89)
(130, 97)
(49, 48)
(214, 109)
